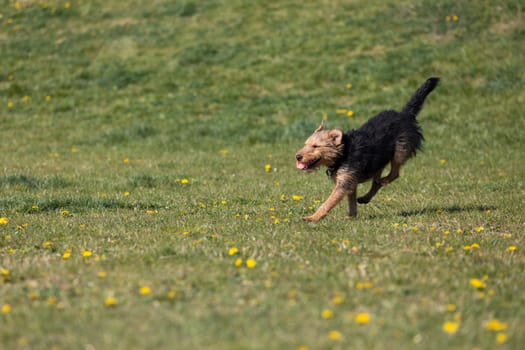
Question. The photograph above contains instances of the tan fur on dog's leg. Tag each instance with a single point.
(337, 195)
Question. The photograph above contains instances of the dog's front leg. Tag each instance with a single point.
(352, 203)
(335, 197)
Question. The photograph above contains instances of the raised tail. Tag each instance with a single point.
(415, 103)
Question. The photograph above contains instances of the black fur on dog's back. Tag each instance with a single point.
(371, 147)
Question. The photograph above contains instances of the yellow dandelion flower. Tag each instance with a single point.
(185, 181)
(268, 168)
(172, 294)
(4, 272)
(467, 247)
(251, 263)
(48, 98)
(51, 300)
(127, 193)
(512, 248)
(10, 104)
(102, 274)
(233, 251)
(451, 307)
(450, 327)
(297, 197)
(87, 253)
(479, 229)
(475, 246)
(455, 18)
(349, 113)
(224, 152)
(6, 308)
(395, 225)
(47, 244)
(327, 313)
(111, 301)
(496, 325)
(477, 283)
(450, 249)
(144, 290)
(501, 338)
(67, 5)
(443, 161)
(125, 160)
(4, 221)
(335, 335)
(66, 255)
(338, 299)
(362, 318)
(64, 212)
(238, 262)
(349, 86)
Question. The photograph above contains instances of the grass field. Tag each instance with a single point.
(149, 197)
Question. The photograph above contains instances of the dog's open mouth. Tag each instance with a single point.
(307, 165)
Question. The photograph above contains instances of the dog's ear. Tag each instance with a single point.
(321, 127)
(336, 136)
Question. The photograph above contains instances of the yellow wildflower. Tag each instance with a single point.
(479, 229)
(144, 290)
(267, 168)
(477, 283)
(185, 181)
(501, 338)
(111, 301)
(512, 248)
(297, 197)
(327, 313)
(238, 262)
(102, 274)
(450, 327)
(6, 308)
(251, 263)
(335, 335)
(496, 325)
(233, 251)
(87, 253)
(362, 318)
(67, 254)
(172, 294)
(4, 221)
(451, 307)
(4, 272)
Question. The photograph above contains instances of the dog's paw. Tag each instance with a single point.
(363, 200)
(310, 218)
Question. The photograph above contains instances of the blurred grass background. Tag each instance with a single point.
(134, 142)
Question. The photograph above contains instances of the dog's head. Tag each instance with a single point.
(323, 147)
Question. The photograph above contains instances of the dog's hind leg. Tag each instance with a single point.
(376, 185)
(401, 155)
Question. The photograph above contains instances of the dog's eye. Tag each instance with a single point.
(315, 146)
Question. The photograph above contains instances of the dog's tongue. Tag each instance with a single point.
(301, 165)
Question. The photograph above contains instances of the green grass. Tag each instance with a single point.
(134, 139)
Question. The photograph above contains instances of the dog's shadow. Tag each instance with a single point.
(453, 209)
(449, 210)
